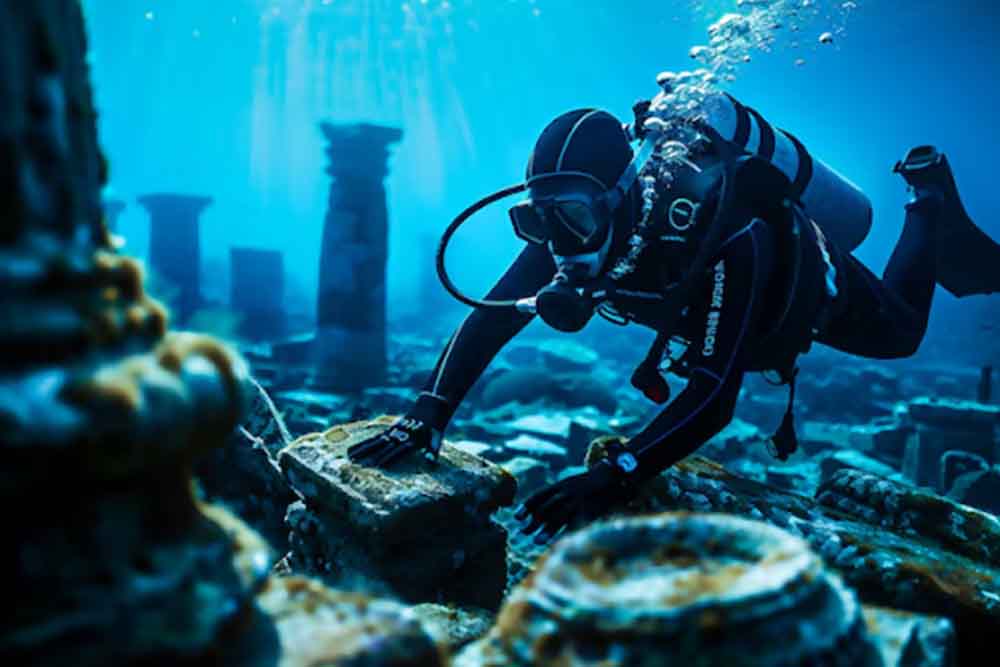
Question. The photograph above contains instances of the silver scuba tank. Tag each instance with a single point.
(838, 206)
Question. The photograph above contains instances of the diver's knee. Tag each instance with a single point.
(910, 344)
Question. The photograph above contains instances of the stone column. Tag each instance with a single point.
(351, 307)
(257, 291)
(175, 245)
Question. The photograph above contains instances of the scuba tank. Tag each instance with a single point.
(838, 206)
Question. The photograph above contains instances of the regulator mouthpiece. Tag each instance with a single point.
(564, 308)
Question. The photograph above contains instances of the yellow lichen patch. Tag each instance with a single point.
(158, 317)
(131, 278)
(600, 568)
(105, 262)
(135, 318)
(335, 434)
(710, 619)
(708, 580)
(116, 387)
(513, 618)
(176, 349)
(106, 326)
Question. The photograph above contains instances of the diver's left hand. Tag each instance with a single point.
(576, 499)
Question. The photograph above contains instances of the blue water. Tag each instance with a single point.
(224, 98)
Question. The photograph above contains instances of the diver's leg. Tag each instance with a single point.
(872, 320)
(967, 259)
(911, 272)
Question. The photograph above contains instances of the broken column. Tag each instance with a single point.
(679, 589)
(351, 306)
(175, 246)
(420, 531)
(110, 558)
(257, 291)
(942, 426)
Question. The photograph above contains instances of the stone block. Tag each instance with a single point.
(382, 526)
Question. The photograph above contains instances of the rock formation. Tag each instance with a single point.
(897, 546)
(679, 589)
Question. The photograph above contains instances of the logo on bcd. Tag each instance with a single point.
(682, 213)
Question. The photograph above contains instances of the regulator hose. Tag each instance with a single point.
(446, 238)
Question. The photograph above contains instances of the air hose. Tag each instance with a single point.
(446, 238)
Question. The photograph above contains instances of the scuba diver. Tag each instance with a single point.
(742, 254)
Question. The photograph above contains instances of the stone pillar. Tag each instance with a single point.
(175, 245)
(351, 307)
(257, 291)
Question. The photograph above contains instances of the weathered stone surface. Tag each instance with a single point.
(555, 426)
(452, 627)
(833, 462)
(244, 474)
(528, 385)
(398, 503)
(678, 589)
(566, 356)
(895, 546)
(355, 522)
(979, 489)
(955, 464)
(797, 478)
(538, 448)
(458, 562)
(154, 572)
(911, 640)
(910, 511)
(948, 414)
(943, 426)
(318, 626)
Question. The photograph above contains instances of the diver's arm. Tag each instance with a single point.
(483, 334)
(706, 405)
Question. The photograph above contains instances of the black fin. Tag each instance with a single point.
(968, 260)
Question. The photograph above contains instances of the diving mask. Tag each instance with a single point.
(567, 210)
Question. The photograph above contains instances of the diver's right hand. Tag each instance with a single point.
(420, 430)
(407, 436)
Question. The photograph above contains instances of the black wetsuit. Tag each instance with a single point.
(731, 321)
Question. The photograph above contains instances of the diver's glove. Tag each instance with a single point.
(580, 498)
(420, 430)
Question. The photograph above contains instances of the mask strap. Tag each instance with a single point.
(616, 195)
